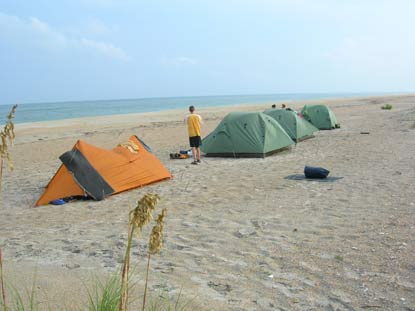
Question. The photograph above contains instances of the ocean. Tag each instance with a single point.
(35, 112)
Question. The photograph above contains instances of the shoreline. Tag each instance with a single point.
(290, 101)
(168, 115)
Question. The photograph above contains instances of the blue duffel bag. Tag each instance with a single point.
(315, 172)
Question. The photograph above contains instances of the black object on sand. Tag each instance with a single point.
(315, 172)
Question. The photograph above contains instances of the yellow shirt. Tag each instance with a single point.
(193, 124)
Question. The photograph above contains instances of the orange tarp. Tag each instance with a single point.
(122, 168)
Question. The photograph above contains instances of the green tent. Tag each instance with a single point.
(320, 116)
(246, 134)
(297, 128)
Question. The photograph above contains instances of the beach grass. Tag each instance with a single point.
(387, 107)
(7, 138)
(25, 300)
(105, 296)
(339, 258)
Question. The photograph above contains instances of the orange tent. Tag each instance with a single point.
(91, 171)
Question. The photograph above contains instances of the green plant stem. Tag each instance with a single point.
(145, 286)
(124, 276)
(3, 292)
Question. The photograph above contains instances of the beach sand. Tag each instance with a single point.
(240, 234)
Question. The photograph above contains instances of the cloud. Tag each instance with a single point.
(105, 49)
(34, 31)
(43, 30)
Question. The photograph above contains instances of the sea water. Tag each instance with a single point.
(34, 112)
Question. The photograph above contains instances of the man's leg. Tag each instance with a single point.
(194, 153)
(198, 154)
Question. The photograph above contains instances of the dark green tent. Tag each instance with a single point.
(246, 134)
(297, 128)
(320, 116)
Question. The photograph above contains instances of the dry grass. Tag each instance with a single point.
(155, 245)
(7, 137)
(140, 216)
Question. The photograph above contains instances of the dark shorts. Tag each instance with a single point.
(195, 141)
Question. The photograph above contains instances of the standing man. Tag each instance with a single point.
(193, 122)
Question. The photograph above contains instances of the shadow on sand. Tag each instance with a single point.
(302, 177)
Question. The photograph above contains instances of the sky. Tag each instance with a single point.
(111, 49)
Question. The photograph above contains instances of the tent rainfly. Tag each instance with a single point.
(320, 116)
(296, 127)
(89, 171)
(246, 134)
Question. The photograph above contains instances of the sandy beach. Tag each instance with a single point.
(241, 234)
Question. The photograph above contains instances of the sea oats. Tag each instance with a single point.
(7, 135)
(155, 245)
(142, 214)
(156, 237)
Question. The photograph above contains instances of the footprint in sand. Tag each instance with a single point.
(224, 289)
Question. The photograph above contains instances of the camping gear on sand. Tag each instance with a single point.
(315, 172)
(98, 173)
(182, 154)
(297, 128)
(179, 156)
(320, 116)
(246, 134)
